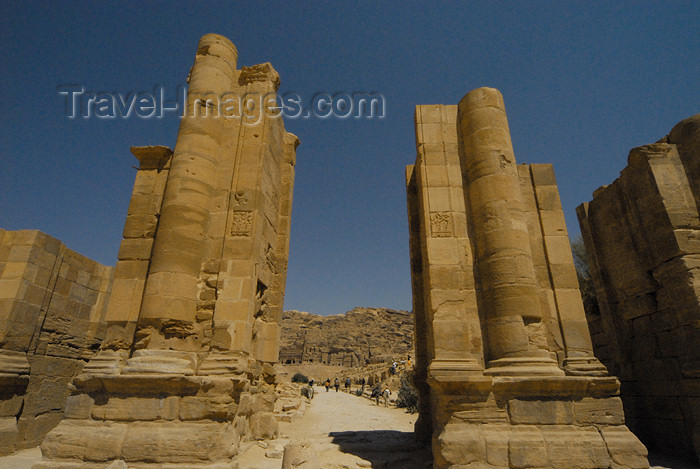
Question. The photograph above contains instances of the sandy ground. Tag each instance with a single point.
(346, 432)
(349, 432)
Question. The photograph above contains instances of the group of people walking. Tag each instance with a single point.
(378, 392)
(336, 384)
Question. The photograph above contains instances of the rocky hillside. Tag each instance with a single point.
(358, 337)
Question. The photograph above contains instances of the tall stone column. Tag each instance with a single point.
(134, 257)
(268, 330)
(509, 290)
(493, 235)
(168, 311)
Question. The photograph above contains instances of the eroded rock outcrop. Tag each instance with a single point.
(356, 338)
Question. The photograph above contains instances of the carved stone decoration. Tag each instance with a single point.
(241, 223)
(441, 224)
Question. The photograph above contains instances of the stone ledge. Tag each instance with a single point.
(554, 386)
(142, 465)
(154, 384)
(198, 443)
(495, 445)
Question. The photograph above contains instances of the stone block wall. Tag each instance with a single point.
(642, 236)
(52, 302)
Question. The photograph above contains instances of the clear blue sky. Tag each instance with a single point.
(583, 83)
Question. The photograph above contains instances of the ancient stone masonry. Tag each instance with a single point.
(185, 371)
(52, 301)
(642, 235)
(504, 362)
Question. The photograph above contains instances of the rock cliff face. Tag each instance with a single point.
(358, 337)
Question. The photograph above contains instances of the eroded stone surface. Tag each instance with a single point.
(356, 338)
(642, 235)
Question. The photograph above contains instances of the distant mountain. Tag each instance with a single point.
(358, 337)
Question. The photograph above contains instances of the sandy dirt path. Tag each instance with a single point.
(350, 432)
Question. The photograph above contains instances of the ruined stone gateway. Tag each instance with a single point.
(185, 372)
(186, 326)
(505, 366)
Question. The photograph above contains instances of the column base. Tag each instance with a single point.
(161, 361)
(14, 363)
(553, 422)
(524, 366)
(584, 366)
(162, 419)
(107, 362)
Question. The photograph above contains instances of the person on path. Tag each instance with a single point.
(385, 395)
(376, 393)
(362, 383)
(336, 383)
(328, 384)
(348, 383)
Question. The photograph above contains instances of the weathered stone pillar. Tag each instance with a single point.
(511, 309)
(567, 318)
(489, 248)
(423, 425)
(267, 337)
(199, 378)
(449, 355)
(133, 259)
(169, 308)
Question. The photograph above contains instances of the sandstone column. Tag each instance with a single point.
(511, 308)
(493, 236)
(134, 257)
(170, 298)
(200, 378)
